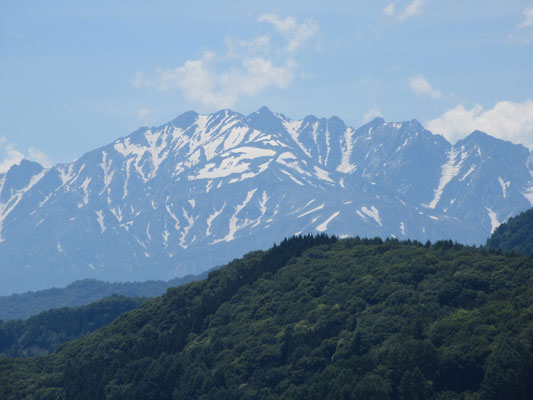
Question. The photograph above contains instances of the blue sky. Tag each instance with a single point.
(76, 75)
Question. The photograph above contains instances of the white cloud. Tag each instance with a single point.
(528, 18)
(245, 69)
(421, 86)
(506, 120)
(39, 156)
(10, 156)
(523, 32)
(410, 10)
(371, 114)
(200, 83)
(257, 75)
(294, 32)
(390, 10)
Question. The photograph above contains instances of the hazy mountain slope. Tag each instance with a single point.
(202, 189)
(79, 293)
(347, 319)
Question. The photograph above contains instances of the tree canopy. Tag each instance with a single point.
(312, 318)
(514, 235)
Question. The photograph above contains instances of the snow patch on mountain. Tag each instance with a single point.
(174, 218)
(528, 194)
(320, 207)
(108, 172)
(323, 175)
(293, 127)
(7, 207)
(165, 236)
(449, 170)
(472, 169)
(402, 228)
(324, 225)
(504, 185)
(262, 208)
(347, 146)
(190, 223)
(373, 213)
(100, 219)
(234, 225)
(228, 166)
(493, 219)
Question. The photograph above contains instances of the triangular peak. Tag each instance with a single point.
(486, 141)
(184, 120)
(378, 121)
(266, 120)
(262, 111)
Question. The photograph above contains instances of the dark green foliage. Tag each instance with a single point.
(413, 386)
(42, 333)
(79, 293)
(514, 235)
(505, 370)
(313, 318)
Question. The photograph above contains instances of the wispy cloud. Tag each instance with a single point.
(410, 10)
(39, 156)
(238, 48)
(528, 18)
(506, 120)
(10, 155)
(371, 114)
(295, 32)
(422, 87)
(523, 33)
(246, 69)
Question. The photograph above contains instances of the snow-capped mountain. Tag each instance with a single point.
(203, 189)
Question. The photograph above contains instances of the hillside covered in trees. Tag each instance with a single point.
(514, 235)
(312, 318)
(43, 333)
(79, 293)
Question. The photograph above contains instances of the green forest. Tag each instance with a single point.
(312, 318)
(514, 235)
(43, 333)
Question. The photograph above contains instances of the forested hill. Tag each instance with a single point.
(313, 318)
(79, 293)
(42, 333)
(514, 235)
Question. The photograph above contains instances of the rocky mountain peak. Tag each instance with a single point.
(205, 188)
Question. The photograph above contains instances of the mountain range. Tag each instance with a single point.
(201, 190)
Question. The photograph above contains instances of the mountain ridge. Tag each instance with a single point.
(82, 292)
(196, 192)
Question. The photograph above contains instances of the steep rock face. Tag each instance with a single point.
(202, 189)
(484, 179)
